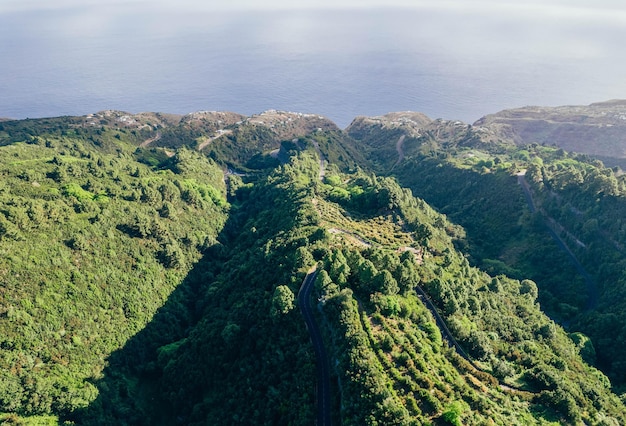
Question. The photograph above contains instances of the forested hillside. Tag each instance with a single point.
(152, 262)
(571, 245)
(93, 243)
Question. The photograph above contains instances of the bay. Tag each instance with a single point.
(453, 63)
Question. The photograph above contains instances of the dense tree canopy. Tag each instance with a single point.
(147, 284)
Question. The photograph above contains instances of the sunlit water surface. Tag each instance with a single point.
(455, 64)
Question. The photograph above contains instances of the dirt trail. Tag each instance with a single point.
(322, 160)
(353, 236)
(400, 149)
(218, 134)
(149, 141)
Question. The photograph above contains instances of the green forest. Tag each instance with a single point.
(151, 267)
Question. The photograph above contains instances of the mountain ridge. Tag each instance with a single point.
(596, 129)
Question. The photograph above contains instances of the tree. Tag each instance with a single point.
(230, 332)
(325, 284)
(479, 345)
(530, 288)
(407, 276)
(452, 414)
(339, 269)
(385, 283)
(282, 301)
(366, 274)
(172, 256)
(304, 258)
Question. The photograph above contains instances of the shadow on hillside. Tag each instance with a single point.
(502, 235)
(129, 391)
(128, 385)
(132, 390)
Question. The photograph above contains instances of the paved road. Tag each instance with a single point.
(592, 290)
(445, 332)
(521, 179)
(323, 371)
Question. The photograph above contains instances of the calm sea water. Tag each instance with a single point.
(445, 62)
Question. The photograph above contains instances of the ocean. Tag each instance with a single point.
(457, 63)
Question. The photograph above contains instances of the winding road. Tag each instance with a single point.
(592, 290)
(323, 370)
(442, 325)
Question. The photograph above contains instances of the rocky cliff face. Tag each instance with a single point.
(598, 129)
